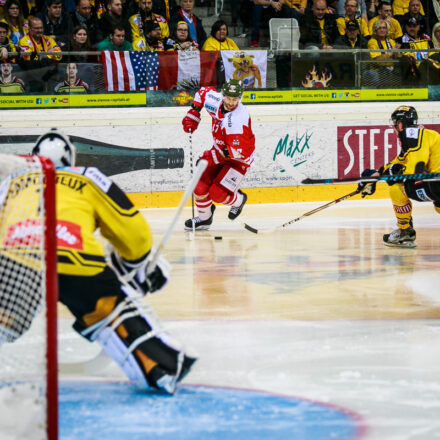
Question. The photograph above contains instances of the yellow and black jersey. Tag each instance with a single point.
(15, 86)
(420, 146)
(87, 200)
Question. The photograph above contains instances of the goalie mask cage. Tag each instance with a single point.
(28, 299)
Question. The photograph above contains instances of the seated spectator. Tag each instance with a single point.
(380, 73)
(146, 13)
(196, 30)
(414, 39)
(79, 42)
(165, 8)
(35, 42)
(318, 28)
(85, 17)
(113, 17)
(8, 82)
(13, 16)
(262, 12)
(180, 38)
(151, 40)
(380, 40)
(414, 12)
(385, 13)
(436, 35)
(294, 8)
(372, 8)
(6, 46)
(219, 38)
(56, 22)
(72, 84)
(351, 8)
(115, 41)
(361, 10)
(352, 37)
(401, 7)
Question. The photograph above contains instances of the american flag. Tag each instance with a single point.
(130, 70)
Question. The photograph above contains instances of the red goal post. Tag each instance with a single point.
(28, 298)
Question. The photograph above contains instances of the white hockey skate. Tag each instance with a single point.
(404, 238)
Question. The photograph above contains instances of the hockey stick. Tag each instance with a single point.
(401, 178)
(199, 170)
(308, 213)
(191, 167)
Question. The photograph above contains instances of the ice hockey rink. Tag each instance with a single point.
(317, 331)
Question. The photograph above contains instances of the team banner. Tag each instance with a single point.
(249, 66)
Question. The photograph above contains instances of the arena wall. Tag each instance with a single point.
(293, 142)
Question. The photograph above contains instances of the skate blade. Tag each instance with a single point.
(200, 228)
(406, 244)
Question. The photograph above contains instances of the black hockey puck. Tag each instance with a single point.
(218, 237)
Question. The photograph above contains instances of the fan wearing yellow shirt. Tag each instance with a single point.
(351, 7)
(385, 13)
(219, 38)
(146, 13)
(35, 42)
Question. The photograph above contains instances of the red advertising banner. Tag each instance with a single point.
(370, 146)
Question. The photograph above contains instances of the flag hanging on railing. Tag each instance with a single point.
(249, 66)
(190, 69)
(142, 70)
(130, 70)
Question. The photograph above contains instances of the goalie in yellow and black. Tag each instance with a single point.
(103, 293)
(420, 154)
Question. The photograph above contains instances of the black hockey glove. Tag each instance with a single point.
(157, 277)
(396, 169)
(367, 188)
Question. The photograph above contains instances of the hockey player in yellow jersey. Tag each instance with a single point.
(102, 293)
(420, 154)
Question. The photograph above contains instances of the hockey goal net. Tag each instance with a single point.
(28, 299)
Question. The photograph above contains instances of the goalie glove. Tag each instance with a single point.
(139, 275)
(367, 188)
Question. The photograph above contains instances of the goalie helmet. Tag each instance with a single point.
(57, 147)
(233, 88)
(405, 114)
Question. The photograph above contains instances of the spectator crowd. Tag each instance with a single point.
(28, 27)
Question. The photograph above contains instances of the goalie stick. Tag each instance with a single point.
(400, 178)
(306, 214)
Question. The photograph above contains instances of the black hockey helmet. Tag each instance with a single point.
(405, 114)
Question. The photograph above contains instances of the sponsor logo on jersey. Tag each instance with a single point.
(412, 133)
(215, 98)
(403, 209)
(421, 194)
(210, 108)
(29, 232)
(100, 179)
(69, 235)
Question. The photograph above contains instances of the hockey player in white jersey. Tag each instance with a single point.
(229, 158)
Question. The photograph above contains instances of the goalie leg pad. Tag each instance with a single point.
(134, 338)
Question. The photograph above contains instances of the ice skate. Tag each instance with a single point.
(200, 225)
(405, 238)
(235, 211)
